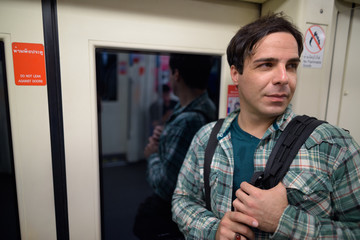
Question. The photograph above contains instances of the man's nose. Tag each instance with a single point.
(281, 75)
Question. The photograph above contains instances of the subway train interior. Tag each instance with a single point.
(78, 79)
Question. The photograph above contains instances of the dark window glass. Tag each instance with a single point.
(9, 220)
(130, 86)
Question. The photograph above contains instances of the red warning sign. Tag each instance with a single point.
(232, 99)
(29, 64)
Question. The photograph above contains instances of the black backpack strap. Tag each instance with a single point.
(285, 150)
(209, 153)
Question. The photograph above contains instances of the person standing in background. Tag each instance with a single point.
(168, 145)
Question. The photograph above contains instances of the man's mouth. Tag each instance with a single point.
(277, 97)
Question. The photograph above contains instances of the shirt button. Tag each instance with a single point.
(305, 197)
(306, 188)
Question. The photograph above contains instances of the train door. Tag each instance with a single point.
(343, 95)
(26, 189)
(351, 85)
(128, 34)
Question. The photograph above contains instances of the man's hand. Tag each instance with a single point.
(157, 132)
(153, 145)
(266, 206)
(233, 223)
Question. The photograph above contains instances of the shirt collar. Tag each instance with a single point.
(178, 109)
(280, 123)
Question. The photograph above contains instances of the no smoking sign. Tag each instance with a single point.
(314, 39)
(314, 43)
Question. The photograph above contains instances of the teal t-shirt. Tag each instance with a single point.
(244, 146)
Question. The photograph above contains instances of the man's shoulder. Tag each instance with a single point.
(191, 117)
(198, 116)
(324, 132)
(332, 134)
(205, 131)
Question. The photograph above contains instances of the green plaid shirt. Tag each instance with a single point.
(323, 184)
(164, 166)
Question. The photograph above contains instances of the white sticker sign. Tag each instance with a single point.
(314, 43)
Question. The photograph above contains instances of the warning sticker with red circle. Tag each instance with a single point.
(314, 42)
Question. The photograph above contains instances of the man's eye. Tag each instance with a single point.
(293, 66)
(266, 65)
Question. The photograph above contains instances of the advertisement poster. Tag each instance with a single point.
(232, 99)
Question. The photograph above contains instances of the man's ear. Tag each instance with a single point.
(234, 75)
(176, 74)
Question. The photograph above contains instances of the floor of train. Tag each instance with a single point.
(124, 188)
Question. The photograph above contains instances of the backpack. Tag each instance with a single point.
(283, 153)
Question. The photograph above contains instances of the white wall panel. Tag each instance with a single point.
(348, 116)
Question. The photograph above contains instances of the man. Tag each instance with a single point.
(320, 195)
(168, 145)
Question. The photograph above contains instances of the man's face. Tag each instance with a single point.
(268, 81)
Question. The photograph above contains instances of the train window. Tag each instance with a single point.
(131, 89)
(9, 219)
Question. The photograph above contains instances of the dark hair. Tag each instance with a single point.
(242, 44)
(194, 69)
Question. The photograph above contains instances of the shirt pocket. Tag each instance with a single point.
(310, 191)
(213, 189)
(218, 194)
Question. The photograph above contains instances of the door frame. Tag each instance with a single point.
(333, 105)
